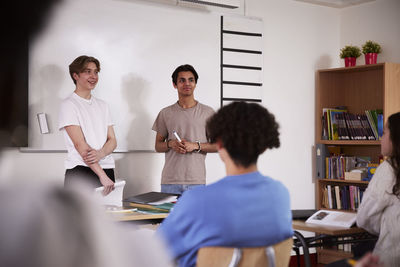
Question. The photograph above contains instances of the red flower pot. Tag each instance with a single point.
(349, 61)
(370, 58)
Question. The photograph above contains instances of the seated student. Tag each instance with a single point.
(379, 211)
(48, 226)
(245, 208)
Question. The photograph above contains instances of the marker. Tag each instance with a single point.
(351, 262)
(177, 136)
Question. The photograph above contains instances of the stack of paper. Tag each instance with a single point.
(153, 201)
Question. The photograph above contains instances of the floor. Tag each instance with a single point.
(313, 258)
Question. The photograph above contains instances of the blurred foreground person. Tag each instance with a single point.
(47, 226)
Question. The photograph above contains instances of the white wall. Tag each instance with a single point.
(378, 21)
(298, 39)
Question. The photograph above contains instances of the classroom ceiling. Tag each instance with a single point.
(336, 3)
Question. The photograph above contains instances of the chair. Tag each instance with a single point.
(275, 255)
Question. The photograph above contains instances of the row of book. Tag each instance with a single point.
(336, 166)
(339, 124)
(343, 197)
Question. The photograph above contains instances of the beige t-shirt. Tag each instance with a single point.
(190, 124)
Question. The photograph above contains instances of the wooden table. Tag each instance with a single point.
(327, 230)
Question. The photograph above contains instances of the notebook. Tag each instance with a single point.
(333, 218)
(152, 198)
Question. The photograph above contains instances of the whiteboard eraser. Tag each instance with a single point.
(44, 128)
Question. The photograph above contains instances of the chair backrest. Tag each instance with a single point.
(275, 255)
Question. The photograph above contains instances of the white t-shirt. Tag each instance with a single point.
(93, 116)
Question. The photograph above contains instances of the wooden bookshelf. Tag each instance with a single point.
(358, 88)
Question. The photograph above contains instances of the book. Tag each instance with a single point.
(333, 218)
(372, 124)
(335, 121)
(343, 131)
(330, 196)
(153, 201)
(359, 128)
(152, 198)
(162, 208)
(325, 202)
(321, 153)
(380, 126)
(377, 115)
(328, 122)
(338, 200)
(324, 124)
(349, 125)
(367, 127)
(371, 168)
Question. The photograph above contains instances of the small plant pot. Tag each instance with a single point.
(370, 58)
(349, 61)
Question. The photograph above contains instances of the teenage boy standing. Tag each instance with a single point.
(88, 129)
(184, 166)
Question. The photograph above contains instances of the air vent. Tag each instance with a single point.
(218, 3)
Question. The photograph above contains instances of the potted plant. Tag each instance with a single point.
(371, 50)
(350, 53)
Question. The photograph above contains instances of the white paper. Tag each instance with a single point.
(114, 198)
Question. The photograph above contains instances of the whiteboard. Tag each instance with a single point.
(138, 46)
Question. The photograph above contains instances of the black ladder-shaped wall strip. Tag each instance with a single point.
(235, 50)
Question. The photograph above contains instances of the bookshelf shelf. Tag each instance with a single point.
(333, 181)
(348, 143)
(359, 88)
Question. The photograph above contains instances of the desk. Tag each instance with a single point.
(138, 217)
(327, 230)
(326, 236)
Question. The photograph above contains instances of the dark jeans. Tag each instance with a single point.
(80, 173)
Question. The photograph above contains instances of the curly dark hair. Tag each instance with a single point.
(182, 68)
(245, 129)
(394, 158)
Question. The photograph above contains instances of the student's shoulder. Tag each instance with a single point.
(170, 108)
(100, 101)
(276, 185)
(194, 196)
(383, 176)
(68, 102)
(206, 107)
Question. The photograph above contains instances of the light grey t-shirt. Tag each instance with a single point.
(190, 124)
